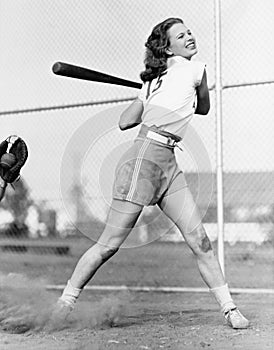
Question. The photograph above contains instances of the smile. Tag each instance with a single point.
(191, 45)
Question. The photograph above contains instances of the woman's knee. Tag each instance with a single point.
(99, 253)
(199, 241)
(107, 251)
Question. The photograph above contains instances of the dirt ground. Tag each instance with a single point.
(133, 320)
(149, 321)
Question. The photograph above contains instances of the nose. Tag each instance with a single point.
(190, 38)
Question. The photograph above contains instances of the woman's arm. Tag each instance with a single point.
(132, 115)
(203, 102)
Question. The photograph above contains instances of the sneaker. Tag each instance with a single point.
(235, 319)
(59, 315)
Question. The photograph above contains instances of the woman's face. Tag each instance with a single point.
(182, 42)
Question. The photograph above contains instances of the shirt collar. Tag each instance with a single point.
(176, 59)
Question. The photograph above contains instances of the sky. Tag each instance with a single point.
(109, 36)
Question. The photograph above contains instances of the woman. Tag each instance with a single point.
(174, 88)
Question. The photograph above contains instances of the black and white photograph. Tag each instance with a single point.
(136, 175)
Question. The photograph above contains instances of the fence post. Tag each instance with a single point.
(219, 134)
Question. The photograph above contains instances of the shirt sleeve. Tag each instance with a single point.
(198, 69)
(142, 93)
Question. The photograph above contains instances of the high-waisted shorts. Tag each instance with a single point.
(148, 171)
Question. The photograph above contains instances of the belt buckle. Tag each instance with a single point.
(170, 141)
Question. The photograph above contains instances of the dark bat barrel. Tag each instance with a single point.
(72, 71)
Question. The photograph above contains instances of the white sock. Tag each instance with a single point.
(70, 294)
(223, 297)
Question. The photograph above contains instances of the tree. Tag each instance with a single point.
(18, 201)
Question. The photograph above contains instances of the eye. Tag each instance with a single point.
(180, 36)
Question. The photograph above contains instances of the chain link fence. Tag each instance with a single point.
(71, 129)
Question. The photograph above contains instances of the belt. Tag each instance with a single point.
(166, 140)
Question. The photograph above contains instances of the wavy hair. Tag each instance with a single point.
(155, 55)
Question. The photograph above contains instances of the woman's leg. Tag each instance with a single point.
(181, 208)
(121, 219)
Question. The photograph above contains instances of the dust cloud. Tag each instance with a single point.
(26, 305)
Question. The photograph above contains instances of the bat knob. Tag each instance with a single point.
(57, 67)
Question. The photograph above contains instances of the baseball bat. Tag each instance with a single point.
(72, 71)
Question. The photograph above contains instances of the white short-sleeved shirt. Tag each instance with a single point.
(169, 100)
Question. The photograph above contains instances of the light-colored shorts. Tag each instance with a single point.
(147, 172)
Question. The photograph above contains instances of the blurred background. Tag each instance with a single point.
(70, 126)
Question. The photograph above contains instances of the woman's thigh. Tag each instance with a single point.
(121, 219)
(181, 208)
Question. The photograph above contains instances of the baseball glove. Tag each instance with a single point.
(15, 145)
